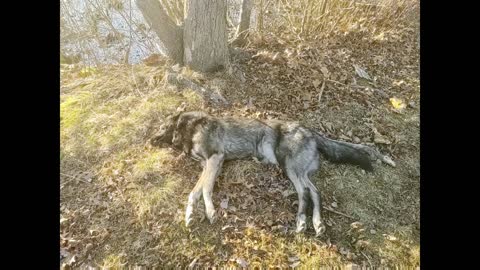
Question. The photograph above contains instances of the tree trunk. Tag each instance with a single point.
(205, 35)
(244, 22)
(169, 33)
(260, 17)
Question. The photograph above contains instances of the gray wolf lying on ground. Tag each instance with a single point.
(296, 149)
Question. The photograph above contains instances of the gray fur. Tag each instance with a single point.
(295, 148)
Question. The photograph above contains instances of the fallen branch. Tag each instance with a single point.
(368, 259)
(178, 79)
(321, 92)
(338, 213)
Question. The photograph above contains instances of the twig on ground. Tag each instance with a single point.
(368, 259)
(321, 92)
(338, 213)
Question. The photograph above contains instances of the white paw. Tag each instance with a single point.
(319, 228)
(301, 223)
(211, 215)
(188, 216)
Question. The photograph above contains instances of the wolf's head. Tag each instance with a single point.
(177, 130)
(164, 136)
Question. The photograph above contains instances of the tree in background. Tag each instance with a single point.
(201, 42)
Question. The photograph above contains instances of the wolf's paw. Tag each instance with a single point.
(188, 221)
(319, 228)
(188, 216)
(211, 215)
(301, 223)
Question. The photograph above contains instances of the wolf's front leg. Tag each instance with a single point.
(196, 192)
(193, 198)
(212, 170)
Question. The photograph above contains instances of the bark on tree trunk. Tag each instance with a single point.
(205, 35)
(244, 22)
(260, 17)
(169, 33)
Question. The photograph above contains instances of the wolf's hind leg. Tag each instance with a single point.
(318, 225)
(309, 169)
(302, 198)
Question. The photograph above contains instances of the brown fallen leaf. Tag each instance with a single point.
(88, 246)
(242, 262)
(352, 266)
(63, 220)
(379, 138)
(361, 244)
(356, 225)
(295, 264)
(361, 72)
(224, 203)
(350, 255)
(72, 260)
(293, 259)
(325, 71)
(390, 237)
(192, 264)
(288, 192)
(277, 228)
(226, 227)
(64, 254)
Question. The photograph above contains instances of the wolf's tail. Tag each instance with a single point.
(356, 154)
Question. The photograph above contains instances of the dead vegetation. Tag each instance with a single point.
(122, 202)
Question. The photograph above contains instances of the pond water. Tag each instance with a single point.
(115, 31)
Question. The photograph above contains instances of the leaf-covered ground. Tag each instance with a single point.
(123, 202)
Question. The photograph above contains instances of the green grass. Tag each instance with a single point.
(97, 120)
(146, 200)
(113, 262)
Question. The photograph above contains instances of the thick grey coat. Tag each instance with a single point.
(296, 149)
